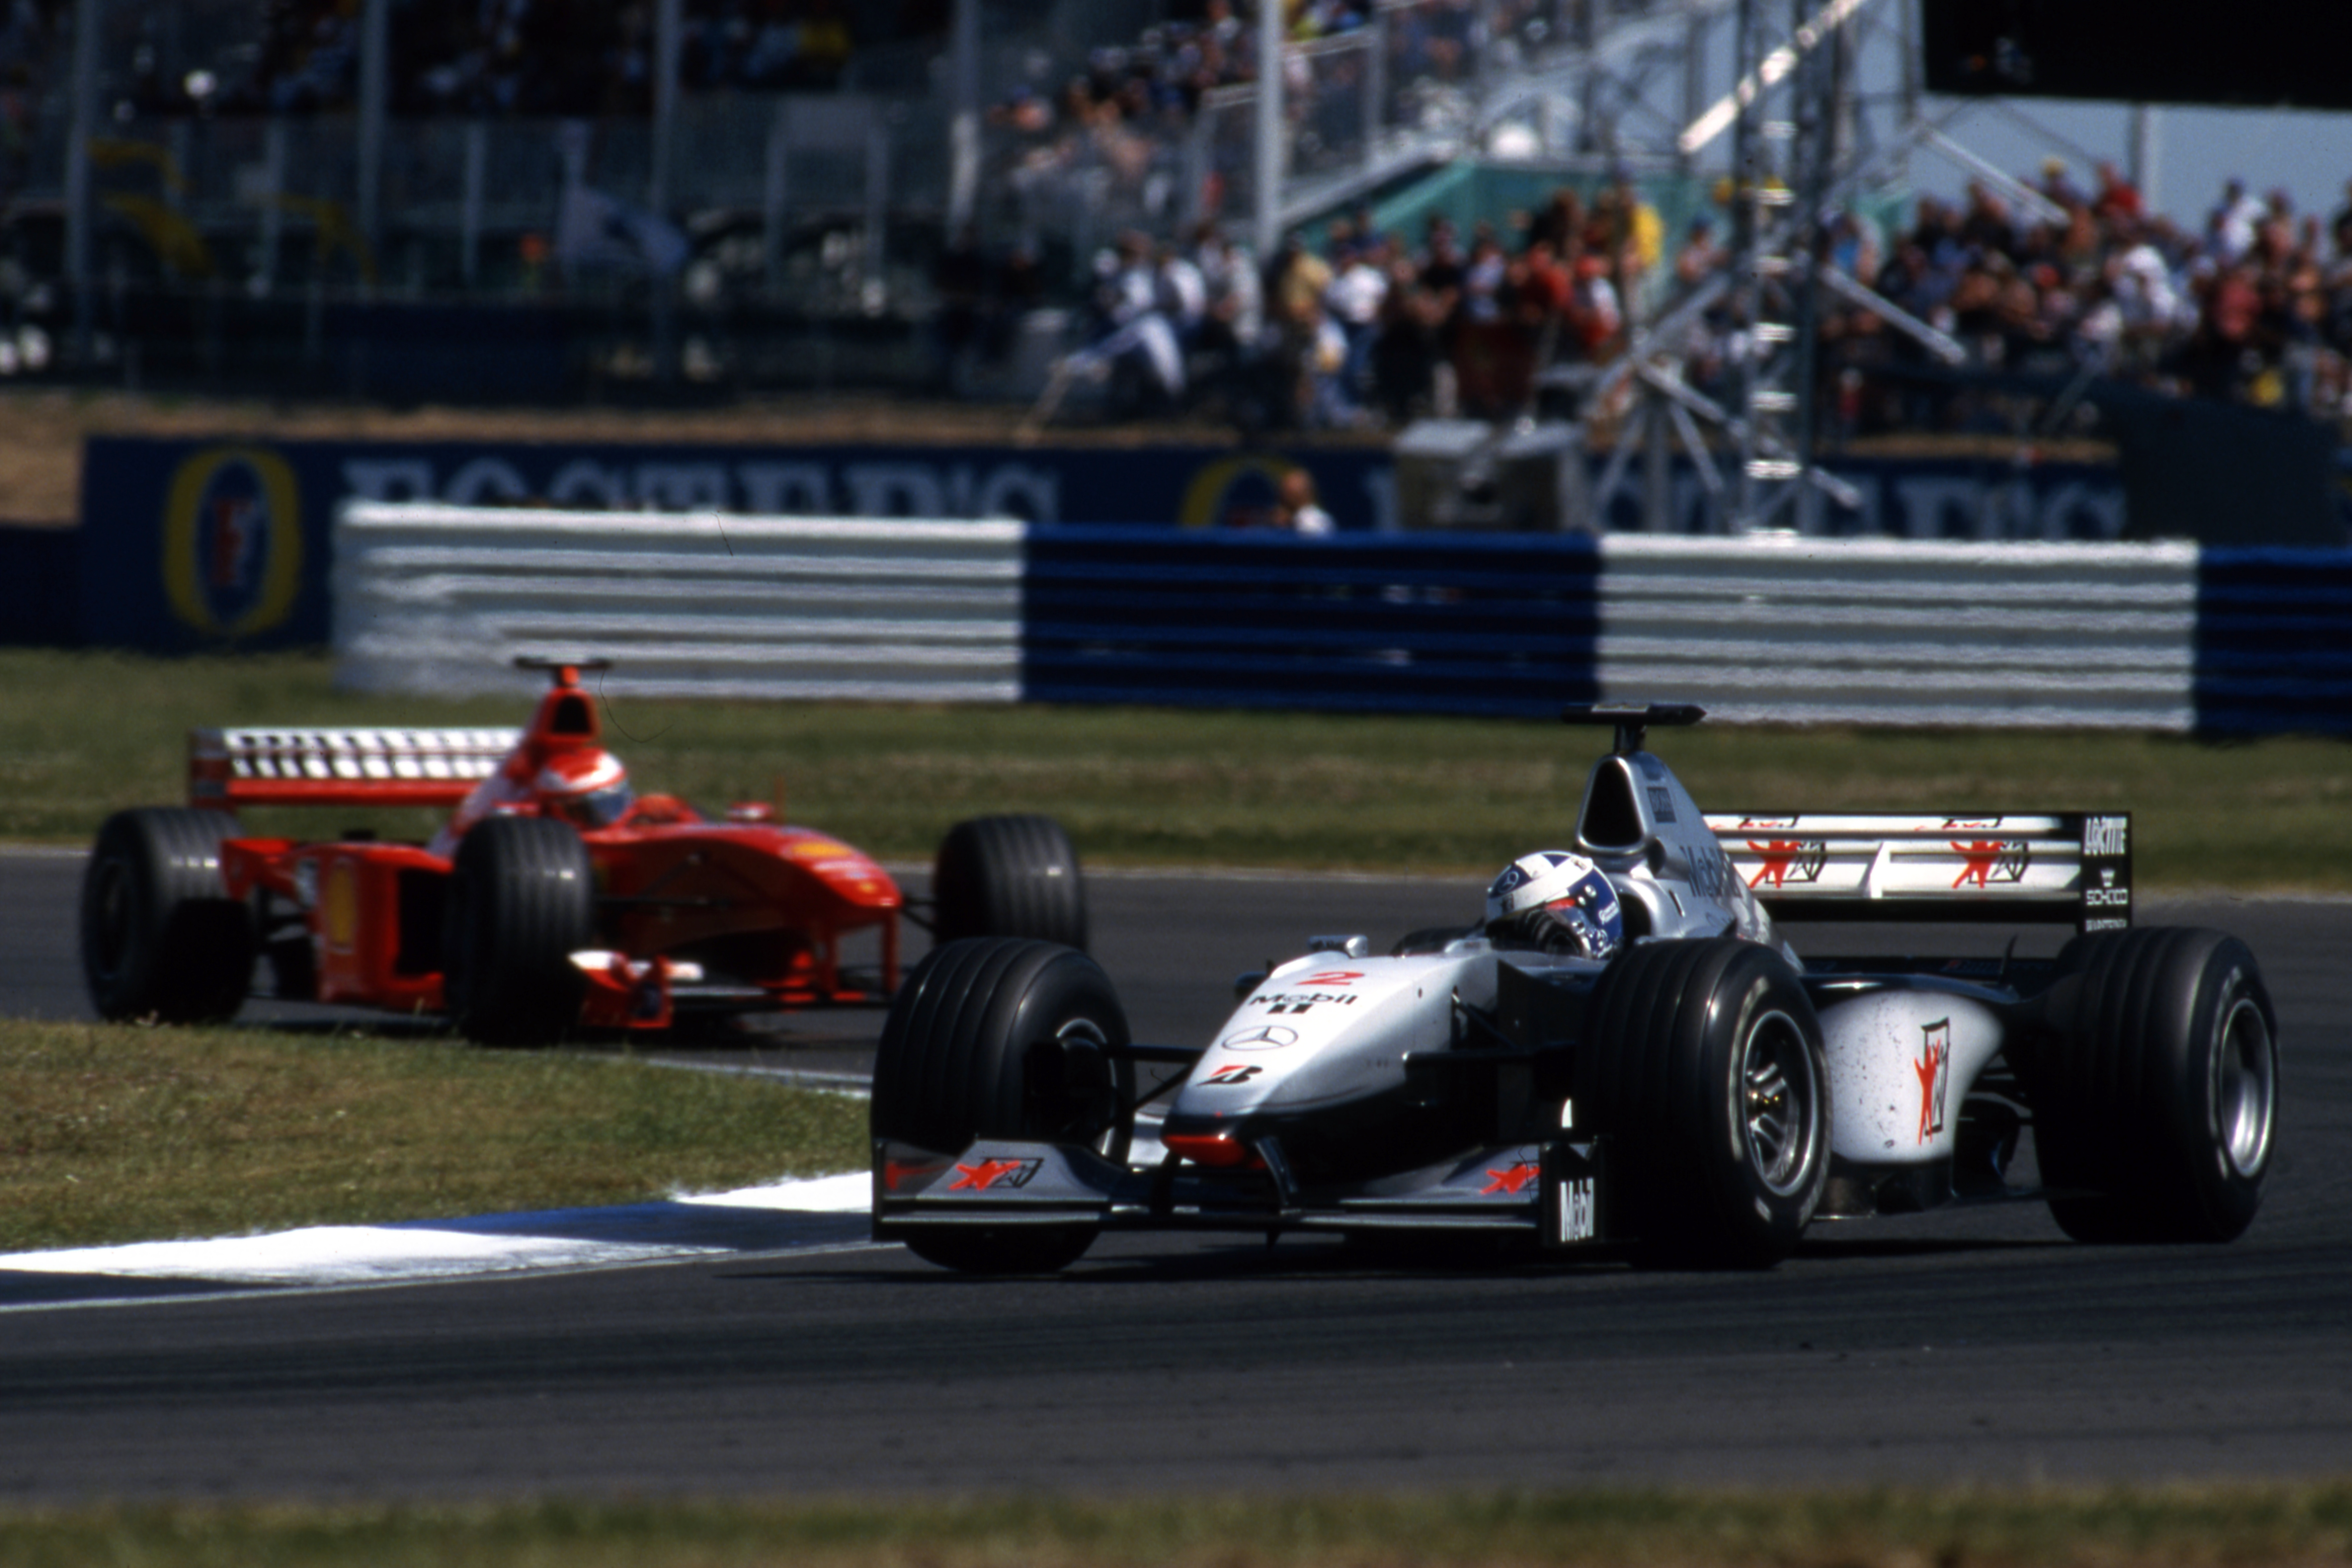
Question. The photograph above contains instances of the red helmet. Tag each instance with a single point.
(587, 787)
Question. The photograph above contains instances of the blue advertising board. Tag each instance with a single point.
(209, 544)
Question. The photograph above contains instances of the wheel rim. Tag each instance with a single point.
(1780, 1104)
(1101, 1117)
(2244, 1085)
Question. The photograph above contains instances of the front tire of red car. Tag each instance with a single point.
(523, 900)
(1009, 875)
(160, 937)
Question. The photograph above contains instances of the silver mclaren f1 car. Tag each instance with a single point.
(1626, 1054)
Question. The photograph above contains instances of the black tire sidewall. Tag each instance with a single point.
(949, 1071)
(2125, 1121)
(1015, 876)
(1668, 1025)
(947, 1068)
(159, 935)
(522, 900)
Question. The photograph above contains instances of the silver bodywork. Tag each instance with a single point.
(1336, 1049)
(1323, 1028)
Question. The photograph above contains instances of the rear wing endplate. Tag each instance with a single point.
(229, 768)
(2062, 867)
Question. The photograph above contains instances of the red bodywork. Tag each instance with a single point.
(742, 915)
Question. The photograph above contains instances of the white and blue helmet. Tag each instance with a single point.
(1556, 901)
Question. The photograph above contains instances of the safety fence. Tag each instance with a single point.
(2160, 636)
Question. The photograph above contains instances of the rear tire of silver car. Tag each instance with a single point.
(1009, 875)
(523, 900)
(1708, 1068)
(954, 1067)
(2155, 1087)
(160, 936)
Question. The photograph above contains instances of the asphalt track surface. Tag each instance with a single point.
(1970, 1346)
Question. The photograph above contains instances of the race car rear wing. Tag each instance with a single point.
(229, 768)
(2065, 867)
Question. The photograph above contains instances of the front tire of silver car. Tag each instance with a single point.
(1706, 1061)
(965, 1055)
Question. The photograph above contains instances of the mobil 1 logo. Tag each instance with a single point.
(1571, 1197)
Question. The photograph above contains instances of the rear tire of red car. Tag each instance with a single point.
(523, 900)
(1009, 875)
(1709, 1070)
(2155, 1087)
(979, 1044)
(160, 937)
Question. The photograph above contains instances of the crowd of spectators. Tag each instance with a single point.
(2254, 307)
(1366, 328)
(1371, 328)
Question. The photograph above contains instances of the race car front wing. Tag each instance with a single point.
(1558, 1192)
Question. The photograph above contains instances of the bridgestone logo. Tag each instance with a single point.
(2106, 834)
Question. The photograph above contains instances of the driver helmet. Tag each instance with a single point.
(588, 787)
(1555, 902)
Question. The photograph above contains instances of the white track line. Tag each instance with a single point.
(328, 1256)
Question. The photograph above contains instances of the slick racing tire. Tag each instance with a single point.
(1009, 875)
(160, 936)
(1708, 1070)
(523, 900)
(2155, 1087)
(1000, 1037)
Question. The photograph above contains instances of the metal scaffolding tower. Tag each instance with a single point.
(1807, 136)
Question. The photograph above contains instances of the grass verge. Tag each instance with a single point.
(114, 1132)
(2178, 1528)
(83, 735)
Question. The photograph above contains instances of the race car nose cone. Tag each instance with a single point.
(1219, 1149)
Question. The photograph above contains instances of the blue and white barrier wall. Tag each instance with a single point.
(193, 545)
(2155, 637)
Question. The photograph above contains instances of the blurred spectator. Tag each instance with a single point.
(1297, 509)
(1232, 318)
(1135, 349)
(2118, 199)
(2229, 227)
(1357, 289)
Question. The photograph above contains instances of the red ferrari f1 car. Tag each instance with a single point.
(554, 898)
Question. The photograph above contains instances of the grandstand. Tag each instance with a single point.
(1503, 208)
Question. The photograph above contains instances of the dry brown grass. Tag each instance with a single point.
(1154, 786)
(2175, 1528)
(115, 1132)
